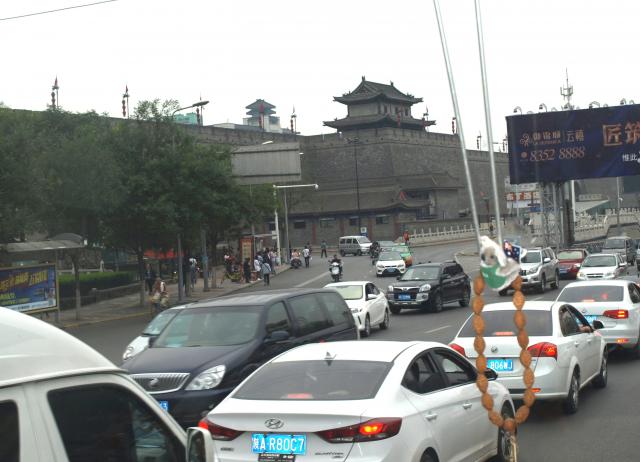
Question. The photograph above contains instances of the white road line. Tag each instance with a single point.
(319, 276)
(436, 329)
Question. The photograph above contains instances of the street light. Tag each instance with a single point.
(355, 142)
(205, 262)
(593, 104)
(543, 106)
(286, 213)
(517, 110)
(623, 101)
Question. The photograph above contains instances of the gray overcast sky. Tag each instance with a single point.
(304, 53)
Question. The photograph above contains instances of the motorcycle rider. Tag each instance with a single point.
(337, 260)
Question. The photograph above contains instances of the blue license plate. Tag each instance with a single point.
(404, 297)
(590, 318)
(278, 444)
(563, 270)
(164, 405)
(500, 365)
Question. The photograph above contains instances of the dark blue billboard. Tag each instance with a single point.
(29, 288)
(571, 145)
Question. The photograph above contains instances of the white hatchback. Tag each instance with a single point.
(616, 304)
(360, 401)
(367, 303)
(567, 352)
(390, 263)
(601, 266)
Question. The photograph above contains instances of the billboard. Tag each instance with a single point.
(570, 145)
(29, 288)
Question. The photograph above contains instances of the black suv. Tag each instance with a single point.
(209, 347)
(429, 286)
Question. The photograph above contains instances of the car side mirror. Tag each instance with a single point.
(152, 340)
(371, 297)
(445, 276)
(597, 325)
(490, 374)
(277, 336)
(199, 445)
(546, 260)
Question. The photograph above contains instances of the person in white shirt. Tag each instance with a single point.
(306, 253)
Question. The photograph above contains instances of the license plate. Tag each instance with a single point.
(392, 270)
(563, 270)
(271, 444)
(404, 297)
(500, 365)
(590, 318)
(164, 405)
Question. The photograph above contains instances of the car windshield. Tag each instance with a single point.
(421, 273)
(599, 261)
(499, 323)
(532, 257)
(352, 292)
(364, 240)
(389, 256)
(591, 293)
(400, 249)
(159, 322)
(570, 255)
(387, 243)
(315, 381)
(613, 244)
(206, 327)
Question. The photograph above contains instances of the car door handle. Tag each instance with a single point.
(431, 416)
(467, 405)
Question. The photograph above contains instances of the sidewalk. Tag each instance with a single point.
(128, 306)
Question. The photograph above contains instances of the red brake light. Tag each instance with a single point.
(458, 348)
(543, 350)
(616, 314)
(219, 432)
(371, 430)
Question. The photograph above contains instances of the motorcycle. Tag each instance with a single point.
(296, 263)
(334, 270)
(374, 255)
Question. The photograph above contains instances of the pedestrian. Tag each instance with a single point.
(491, 230)
(306, 253)
(405, 236)
(323, 249)
(185, 275)
(160, 297)
(272, 260)
(149, 278)
(266, 271)
(193, 272)
(257, 267)
(246, 269)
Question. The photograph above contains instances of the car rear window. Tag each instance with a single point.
(614, 244)
(500, 324)
(325, 380)
(570, 255)
(592, 293)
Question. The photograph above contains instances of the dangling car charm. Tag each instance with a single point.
(498, 269)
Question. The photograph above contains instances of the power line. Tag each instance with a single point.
(56, 10)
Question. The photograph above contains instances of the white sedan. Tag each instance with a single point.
(601, 266)
(567, 352)
(367, 303)
(360, 401)
(616, 304)
(390, 263)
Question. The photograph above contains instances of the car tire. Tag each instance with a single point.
(428, 457)
(395, 309)
(571, 402)
(436, 304)
(503, 292)
(543, 285)
(556, 283)
(504, 445)
(367, 327)
(466, 297)
(358, 253)
(600, 381)
(384, 325)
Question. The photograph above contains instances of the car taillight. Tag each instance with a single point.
(543, 350)
(218, 432)
(616, 314)
(458, 348)
(371, 430)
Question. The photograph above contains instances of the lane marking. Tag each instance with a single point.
(314, 279)
(436, 329)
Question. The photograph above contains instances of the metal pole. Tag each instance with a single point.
(487, 116)
(454, 100)
(180, 275)
(517, 204)
(286, 227)
(618, 205)
(275, 212)
(573, 200)
(355, 154)
(205, 260)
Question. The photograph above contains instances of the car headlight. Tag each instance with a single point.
(533, 270)
(576, 265)
(425, 288)
(208, 379)
(580, 274)
(380, 266)
(390, 289)
(128, 353)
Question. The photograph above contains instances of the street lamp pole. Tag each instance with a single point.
(618, 200)
(286, 212)
(205, 267)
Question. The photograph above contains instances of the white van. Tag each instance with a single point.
(357, 245)
(62, 401)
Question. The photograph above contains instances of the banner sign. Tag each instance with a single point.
(29, 288)
(570, 145)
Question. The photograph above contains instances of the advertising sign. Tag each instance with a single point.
(29, 288)
(246, 248)
(569, 145)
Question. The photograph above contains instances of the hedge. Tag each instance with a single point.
(89, 281)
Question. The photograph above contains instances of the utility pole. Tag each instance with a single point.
(618, 200)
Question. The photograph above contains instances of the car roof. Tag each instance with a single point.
(264, 297)
(32, 350)
(607, 254)
(353, 350)
(348, 283)
(538, 305)
(606, 282)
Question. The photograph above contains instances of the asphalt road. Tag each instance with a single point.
(604, 429)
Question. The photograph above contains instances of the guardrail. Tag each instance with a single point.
(445, 234)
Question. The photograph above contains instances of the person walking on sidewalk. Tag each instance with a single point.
(306, 253)
(160, 297)
(257, 266)
(149, 278)
(266, 272)
(246, 269)
(323, 249)
(272, 261)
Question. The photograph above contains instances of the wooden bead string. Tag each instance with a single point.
(520, 321)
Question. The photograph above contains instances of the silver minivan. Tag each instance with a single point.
(623, 245)
(356, 245)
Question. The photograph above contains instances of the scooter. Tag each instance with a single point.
(334, 271)
(296, 263)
